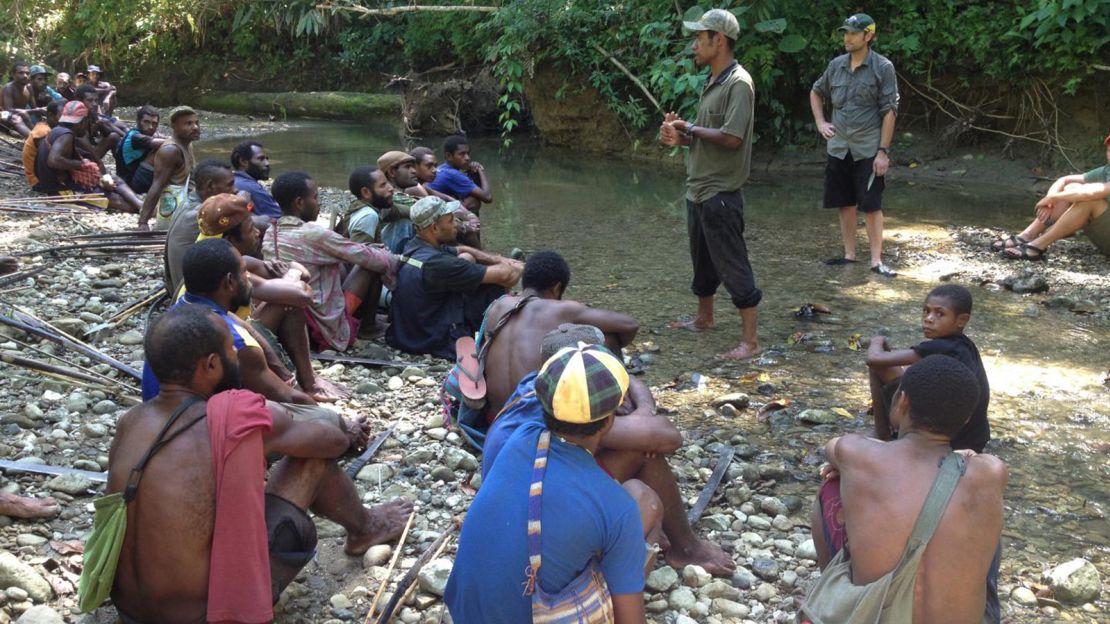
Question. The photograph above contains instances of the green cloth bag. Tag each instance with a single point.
(102, 551)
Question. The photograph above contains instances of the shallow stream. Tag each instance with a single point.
(622, 228)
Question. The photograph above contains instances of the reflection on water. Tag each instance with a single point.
(622, 228)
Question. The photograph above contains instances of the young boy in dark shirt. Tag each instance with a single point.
(946, 312)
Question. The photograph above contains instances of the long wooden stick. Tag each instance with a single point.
(624, 70)
(392, 564)
(412, 587)
(88, 371)
(32, 199)
(11, 358)
(413, 8)
(410, 576)
(99, 245)
(12, 278)
(59, 337)
(121, 234)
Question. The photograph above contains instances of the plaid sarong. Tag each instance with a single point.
(586, 599)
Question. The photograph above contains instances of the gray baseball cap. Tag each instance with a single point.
(717, 20)
(426, 210)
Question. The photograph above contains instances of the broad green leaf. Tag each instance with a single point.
(693, 14)
(740, 10)
(773, 25)
(792, 44)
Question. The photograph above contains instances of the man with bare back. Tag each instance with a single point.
(911, 526)
(17, 102)
(204, 541)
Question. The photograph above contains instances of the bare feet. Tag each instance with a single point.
(385, 522)
(22, 507)
(694, 325)
(744, 351)
(325, 391)
(702, 553)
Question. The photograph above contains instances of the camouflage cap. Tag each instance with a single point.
(222, 213)
(38, 69)
(716, 20)
(860, 22)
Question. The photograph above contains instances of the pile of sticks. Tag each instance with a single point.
(50, 204)
(113, 243)
(63, 369)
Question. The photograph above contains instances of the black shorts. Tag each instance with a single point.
(846, 182)
(142, 178)
(292, 538)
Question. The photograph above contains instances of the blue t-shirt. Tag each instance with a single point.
(586, 514)
(451, 181)
(150, 384)
(525, 408)
(264, 204)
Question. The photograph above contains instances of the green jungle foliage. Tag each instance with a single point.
(993, 46)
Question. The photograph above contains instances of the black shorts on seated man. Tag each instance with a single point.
(442, 291)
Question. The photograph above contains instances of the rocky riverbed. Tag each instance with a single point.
(760, 513)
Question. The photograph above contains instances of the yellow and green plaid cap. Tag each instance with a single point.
(860, 22)
(582, 384)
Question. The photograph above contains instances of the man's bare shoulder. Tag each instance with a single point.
(986, 470)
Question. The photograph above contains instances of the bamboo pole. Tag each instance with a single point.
(10, 358)
(410, 576)
(392, 564)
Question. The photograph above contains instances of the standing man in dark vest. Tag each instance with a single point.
(442, 291)
(863, 89)
(720, 141)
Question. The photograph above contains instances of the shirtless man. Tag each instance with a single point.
(875, 491)
(637, 445)
(16, 100)
(172, 165)
(107, 92)
(172, 535)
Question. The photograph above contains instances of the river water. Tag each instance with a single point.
(621, 227)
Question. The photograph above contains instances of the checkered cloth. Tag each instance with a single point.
(87, 176)
(586, 599)
(582, 384)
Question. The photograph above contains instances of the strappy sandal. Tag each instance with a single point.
(1002, 244)
(1023, 253)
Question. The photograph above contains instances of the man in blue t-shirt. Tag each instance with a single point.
(460, 177)
(585, 517)
(1074, 202)
(251, 164)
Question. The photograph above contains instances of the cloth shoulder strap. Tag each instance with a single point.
(161, 441)
(535, 507)
(952, 467)
(412, 262)
(487, 339)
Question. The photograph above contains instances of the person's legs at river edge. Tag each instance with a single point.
(851, 187)
(720, 255)
(1066, 220)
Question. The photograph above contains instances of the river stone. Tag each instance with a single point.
(15, 573)
(766, 569)
(765, 592)
(773, 506)
(16, 594)
(71, 484)
(743, 579)
(433, 577)
(1025, 284)
(695, 576)
(817, 417)
(104, 407)
(339, 601)
(368, 387)
(443, 473)
(739, 400)
(682, 599)
(395, 383)
(94, 430)
(1076, 581)
(130, 338)
(29, 539)
(1024, 596)
(73, 326)
(458, 459)
(377, 555)
(417, 457)
(412, 371)
(33, 411)
(782, 523)
(729, 608)
(77, 402)
(662, 579)
(806, 550)
(375, 473)
(40, 614)
(684, 619)
(717, 522)
(720, 589)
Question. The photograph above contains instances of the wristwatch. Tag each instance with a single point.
(885, 150)
(690, 130)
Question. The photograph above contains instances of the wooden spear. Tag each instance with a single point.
(402, 588)
(58, 337)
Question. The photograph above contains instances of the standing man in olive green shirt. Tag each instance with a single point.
(863, 89)
(716, 169)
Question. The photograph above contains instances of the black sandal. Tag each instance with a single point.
(1003, 244)
(1023, 253)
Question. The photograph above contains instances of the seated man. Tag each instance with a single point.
(548, 514)
(295, 237)
(362, 221)
(34, 140)
(252, 164)
(41, 92)
(912, 528)
(134, 154)
(17, 102)
(173, 164)
(215, 275)
(64, 86)
(105, 91)
(1074, 202)
(455, 177)
(443, 291)
(426, 166)
(62, 168)
(205, 539)
(210, 178)
(634, 448)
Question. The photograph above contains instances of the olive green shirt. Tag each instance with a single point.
(727, 104)
(859, 99)
(1102, 174)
